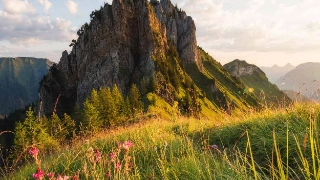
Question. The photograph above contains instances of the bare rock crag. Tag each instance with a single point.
(118, 47)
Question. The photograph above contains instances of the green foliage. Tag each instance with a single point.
(108, 108)
(92, 120)
(135, 100)
(32, 132)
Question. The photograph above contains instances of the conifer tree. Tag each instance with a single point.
(118, 102)
(127, 108)
(32, 132)
(92, 121)
(107, 107)
(135, 100)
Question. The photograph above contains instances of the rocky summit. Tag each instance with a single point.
(118, 47)
(129, 42)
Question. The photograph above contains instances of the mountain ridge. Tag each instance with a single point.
(257, 82)
(275, 72)
(19, 81)
(303, 79)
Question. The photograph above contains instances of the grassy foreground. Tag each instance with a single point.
(274, 144)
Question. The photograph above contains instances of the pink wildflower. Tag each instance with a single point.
(97, 155)
(59, 177)
(50, 175)
(39, 174)
(126, 145)
(112, 156)
(108, 175)
(34, 152)
(118, 166)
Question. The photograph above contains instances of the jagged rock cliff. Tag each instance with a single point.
(240, 68)
(120, 46)
(19, 81)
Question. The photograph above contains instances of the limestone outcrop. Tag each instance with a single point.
(118, 47)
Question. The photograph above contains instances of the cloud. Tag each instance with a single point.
(255, 25)
(72, 7)
(29, 31)
(18, 7)
(47, 4)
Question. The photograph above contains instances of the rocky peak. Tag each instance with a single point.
(239, 68)
(180, 29)
(118, 47)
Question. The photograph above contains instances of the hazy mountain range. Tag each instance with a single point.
(275, 72)
(304, 79)
(19, 81)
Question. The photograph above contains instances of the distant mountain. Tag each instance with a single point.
(256, 81)
(295, 96)
(19, 81)
(304, 79)
(275, 72)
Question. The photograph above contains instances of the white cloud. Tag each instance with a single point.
(18, 7)
(255, 25)
(72, 7)
(29, 31)
(46, 3)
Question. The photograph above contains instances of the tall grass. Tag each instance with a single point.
(275, 144)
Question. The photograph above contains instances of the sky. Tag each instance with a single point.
(262, 32)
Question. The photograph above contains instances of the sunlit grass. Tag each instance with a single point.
(274, 144)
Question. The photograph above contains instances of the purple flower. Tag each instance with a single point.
(214, 146)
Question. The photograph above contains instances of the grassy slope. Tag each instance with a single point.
(229, 88)
(178, 148)
(259, 83)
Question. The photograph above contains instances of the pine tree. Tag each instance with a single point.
(118, 102)
(127, 108)
(134, 99)
(32, 132)
(92, 122)
(107, 107)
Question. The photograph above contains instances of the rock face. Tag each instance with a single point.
(19, 81)
(240, 68)
(118, 47)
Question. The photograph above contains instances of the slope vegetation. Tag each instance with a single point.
(257, 83)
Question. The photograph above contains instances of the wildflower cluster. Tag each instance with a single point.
(120, 162)
(40, 174)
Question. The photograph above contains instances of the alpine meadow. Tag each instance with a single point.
(136, 97)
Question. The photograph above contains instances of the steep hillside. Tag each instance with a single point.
(151, 44)
(275, 72)
(304, 79)
(256, 82)
(19, 81)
